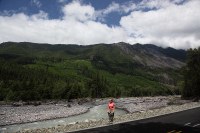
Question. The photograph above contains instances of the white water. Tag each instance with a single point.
(94, 113)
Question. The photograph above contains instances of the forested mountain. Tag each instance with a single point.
(30, 71)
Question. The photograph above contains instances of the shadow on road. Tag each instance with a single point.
(152, 127)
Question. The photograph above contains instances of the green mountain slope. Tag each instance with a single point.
(101, 70)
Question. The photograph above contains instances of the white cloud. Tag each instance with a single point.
(78, 12)
(115, 7)
(36, 3)
(77, 26)
(157, 4)
(172, 24)
(62, 1)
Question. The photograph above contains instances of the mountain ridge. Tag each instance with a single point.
(146, 55)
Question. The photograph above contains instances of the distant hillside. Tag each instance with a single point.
(153, 56)
(122, 53)
(98, 70)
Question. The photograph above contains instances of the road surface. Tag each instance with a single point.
(181, 122)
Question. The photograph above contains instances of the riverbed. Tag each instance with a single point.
(95, 113)
(53, 115)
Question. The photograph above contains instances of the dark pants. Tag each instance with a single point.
(111, 116)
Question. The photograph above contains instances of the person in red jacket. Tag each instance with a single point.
(111, 110)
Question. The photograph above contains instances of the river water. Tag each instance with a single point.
(95, 113)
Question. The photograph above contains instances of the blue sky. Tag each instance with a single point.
(174, 23)
(52, 7)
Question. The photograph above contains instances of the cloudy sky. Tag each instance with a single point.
(166, 23)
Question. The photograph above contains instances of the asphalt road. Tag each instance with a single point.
(182, 122)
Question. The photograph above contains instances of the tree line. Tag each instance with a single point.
(22, 83)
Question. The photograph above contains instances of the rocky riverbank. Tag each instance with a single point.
(138, 108)
(12, 114)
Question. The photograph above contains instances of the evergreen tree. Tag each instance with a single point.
(192, 74)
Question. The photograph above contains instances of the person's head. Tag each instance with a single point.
(111, 100)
